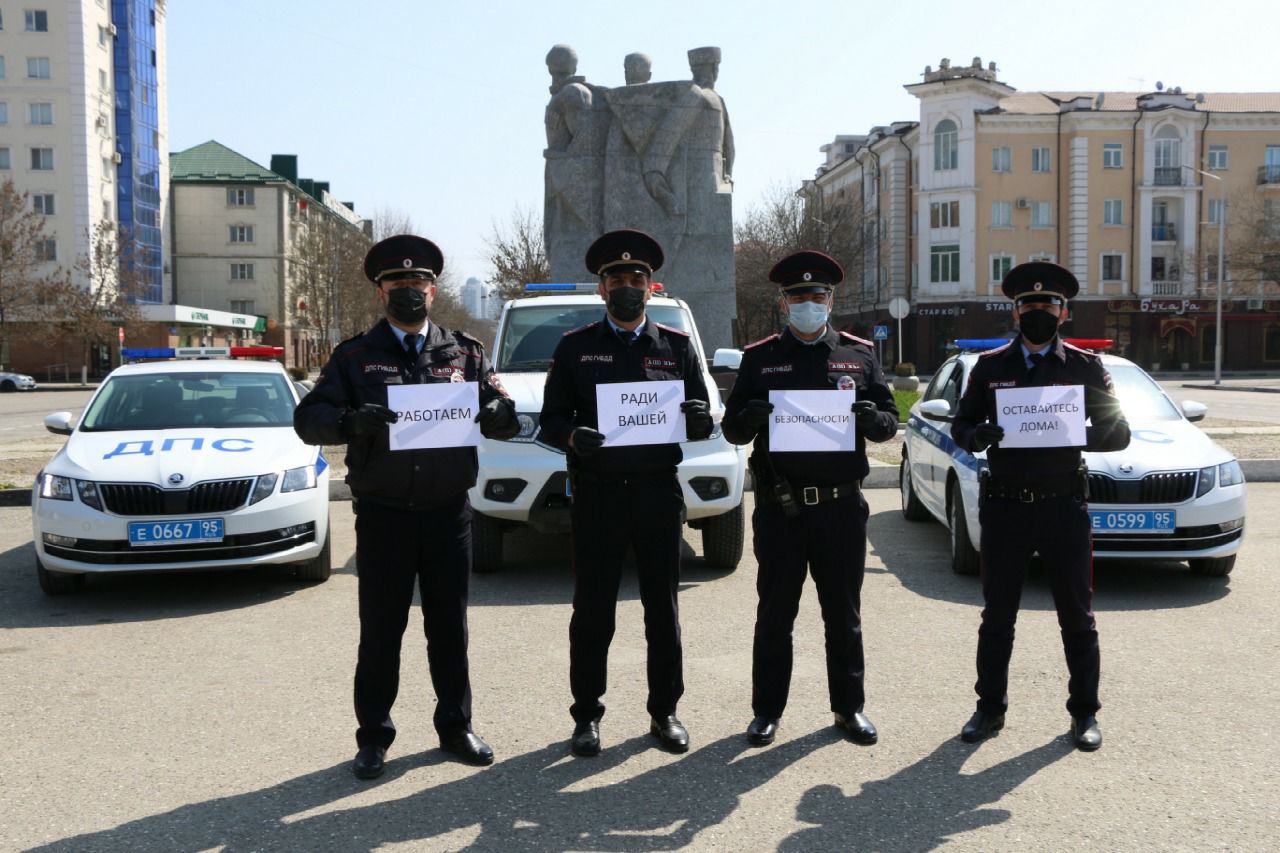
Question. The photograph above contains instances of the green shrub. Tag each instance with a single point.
(904, 368)
(905, 400)
(298, 373)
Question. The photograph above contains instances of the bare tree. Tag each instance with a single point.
(331, 293)
(1252, 256)
(24, 266)
(517, 254)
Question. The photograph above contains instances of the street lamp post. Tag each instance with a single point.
(1222, 232)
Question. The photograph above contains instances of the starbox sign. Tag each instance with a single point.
(641, 412)
(439, 414)
(1047, 416)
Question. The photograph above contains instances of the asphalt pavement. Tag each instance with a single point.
(213, 711)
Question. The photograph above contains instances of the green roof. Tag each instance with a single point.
(213, 161)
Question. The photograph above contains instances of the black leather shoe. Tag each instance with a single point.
(467, 746)
(762, 731)
(369, 762)
(586, 739)
(672, 735)
(1085, 733)
(981, 726)
(858, 728)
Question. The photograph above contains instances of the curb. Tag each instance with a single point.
(1261, 389)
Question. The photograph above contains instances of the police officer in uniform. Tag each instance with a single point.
(623, 496)
(810, 516)
(1035, 499)
(413, 520)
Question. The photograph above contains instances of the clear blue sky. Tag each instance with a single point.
(434, 109)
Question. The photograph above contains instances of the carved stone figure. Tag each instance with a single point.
(637, 68)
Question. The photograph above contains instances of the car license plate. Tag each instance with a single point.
(1132, 521)
(142, 533)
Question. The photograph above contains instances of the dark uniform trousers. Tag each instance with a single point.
(645, 513)
(828, 540)
(394, 548)
(1060, 530)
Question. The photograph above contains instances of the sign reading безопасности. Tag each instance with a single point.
(641, 412)
(440, 414)
(1042, 416)
(811, 421)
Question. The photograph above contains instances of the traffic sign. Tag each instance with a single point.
(899, 308)
(120, 333)
(881, 333)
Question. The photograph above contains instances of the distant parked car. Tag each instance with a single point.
(16, 382)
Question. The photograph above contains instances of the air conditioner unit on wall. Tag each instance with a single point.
(117, 158)
(1023, 203)
(111, 28)
(1254, 304)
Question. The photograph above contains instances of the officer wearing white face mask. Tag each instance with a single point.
(810, 516)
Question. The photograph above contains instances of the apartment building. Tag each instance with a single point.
(1126, 189)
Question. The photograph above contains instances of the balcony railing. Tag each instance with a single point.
(1166, 231)
(1269, 174)
(1168, 176)
(1166, 288)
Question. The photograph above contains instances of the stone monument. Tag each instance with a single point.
(653, 156)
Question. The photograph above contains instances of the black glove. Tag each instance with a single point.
(586, 441)
(756, 414)
(865, 414)
(497, 419)
(986, 434)
(369, 419)
(697, 419)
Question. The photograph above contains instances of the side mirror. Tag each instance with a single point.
(936, 410)
(726, 359)
(59, 423)
(1194, 411)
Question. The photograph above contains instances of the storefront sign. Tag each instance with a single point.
(1160, 306)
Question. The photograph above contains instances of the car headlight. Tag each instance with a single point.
(1208, 477)
(89, 494)
(264, 487)
(528, 427)
(1230, 474)
(297, 479)
(55, 488)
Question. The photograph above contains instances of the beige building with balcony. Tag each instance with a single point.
(1125, 189)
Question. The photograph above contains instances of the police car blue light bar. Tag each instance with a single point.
(971, 344)
(202, 352)
(558, 287)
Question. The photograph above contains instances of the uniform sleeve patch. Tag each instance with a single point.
(775, 368)
(660, 363)
(844, 365)
(761, 341)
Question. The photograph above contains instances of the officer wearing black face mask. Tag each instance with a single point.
(413, 520)
(1034, 499)
(623, 496)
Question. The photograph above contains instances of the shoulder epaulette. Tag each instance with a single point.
(761, 341)
(357, 336)
(471, 339)
(1074, 348)
(583, 328)
(995, 351)
(671, 329)
(858, 340)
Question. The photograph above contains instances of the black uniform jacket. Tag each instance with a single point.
(593, 355)
(1006, 367)
(785, 363)
(359, 371)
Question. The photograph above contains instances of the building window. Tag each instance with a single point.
(1002, 214)
(1001, 160)
(106, 209)
(37, 20)
(944, 263)
(240, 197)
(1217, 210)
(5, 163)
(1, 67)
(1112, 155)
(1113, 267)
(1211, 268)
(1039, 159)
(1042, 256)
(41, 159)
(1271, 267)
(242, 272)
(37, 67)
(1113, 211)
(1041, 214)
(1218, 158)
(47, 249)
(241, 306)
(43, 203)
(241, 234)
(944, 214)
(1271, 343)
(40, 113)
(4, 113)
(1000, 266)
(1208, 342)
(1168, 172)
(1159, 269)
(946, 155)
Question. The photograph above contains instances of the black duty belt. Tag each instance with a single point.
(811, 495)
(1028, 494)
(622, 479)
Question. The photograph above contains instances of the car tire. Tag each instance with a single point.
(7, 386)
(58, 583)
(486, 544)
(1218, 567)
(964, 557)
(723, 537)
(912, 508)
(318, 568)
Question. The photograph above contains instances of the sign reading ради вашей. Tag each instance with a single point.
(641, 412)
(441, 414)
(811, 421)
(1042, 416)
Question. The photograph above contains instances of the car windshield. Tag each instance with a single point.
(1140, 397)
(532, 332)
(181, 400)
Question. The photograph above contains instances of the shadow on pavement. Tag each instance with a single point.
(918, 554)
(920, 807)
(541, 800)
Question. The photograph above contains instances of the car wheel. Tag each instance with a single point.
(58, 583)
(912, 508)
(1218, 567)
(318, 568)
(964, 557)
(7, 385)
(723, 537)
(486, 544)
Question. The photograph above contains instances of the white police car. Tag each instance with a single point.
(523, 481)
(10, 381)
(182, 465)
(1172, 494)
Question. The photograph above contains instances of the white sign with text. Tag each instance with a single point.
(641, 412)
(812, 421)
(440, 414)
(1044, 416)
